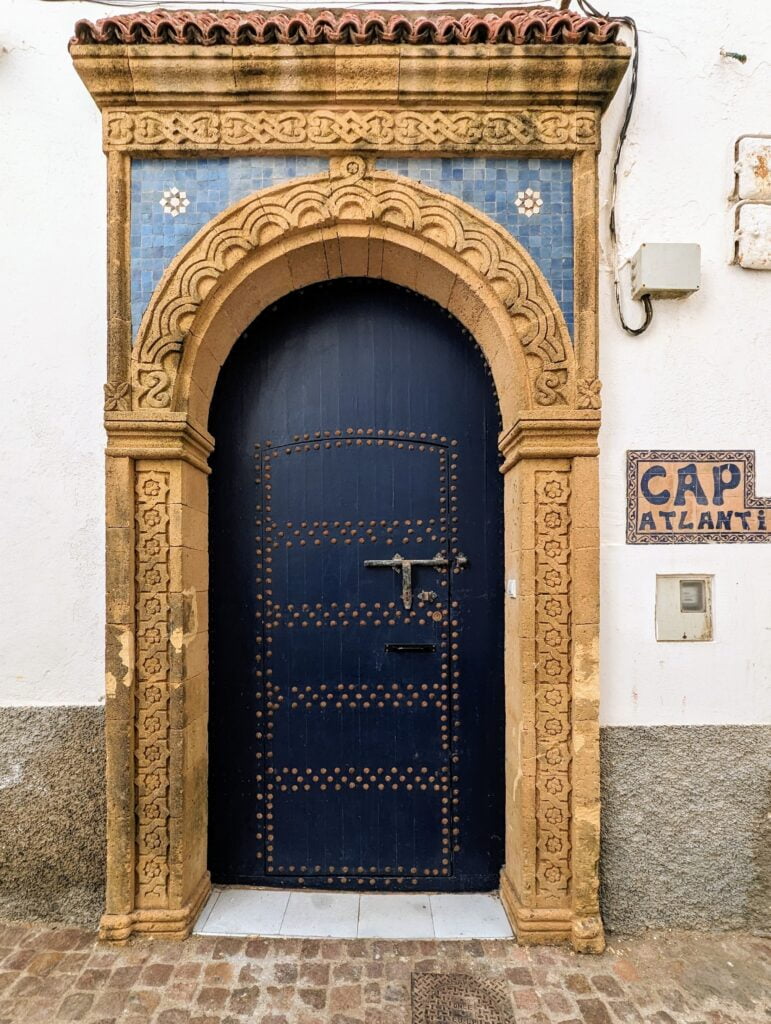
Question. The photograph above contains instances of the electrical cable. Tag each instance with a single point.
(588, 8)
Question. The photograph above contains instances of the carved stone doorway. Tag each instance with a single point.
(535, 94)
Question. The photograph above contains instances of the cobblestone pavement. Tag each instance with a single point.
(63, 974)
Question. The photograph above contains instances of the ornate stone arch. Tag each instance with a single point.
(313, 229)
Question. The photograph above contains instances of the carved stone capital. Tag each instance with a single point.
(161, 436)
(560, 434)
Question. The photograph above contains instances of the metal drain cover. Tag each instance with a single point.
(459, 999)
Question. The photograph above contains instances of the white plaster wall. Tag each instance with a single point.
(698, 378)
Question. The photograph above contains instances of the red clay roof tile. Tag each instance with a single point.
(244, 28)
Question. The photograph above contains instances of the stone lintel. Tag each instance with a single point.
(333, 75)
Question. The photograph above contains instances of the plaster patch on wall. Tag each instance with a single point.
(119, 667)
(10, 776)
(185, 616)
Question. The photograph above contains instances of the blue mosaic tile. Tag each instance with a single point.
(210, 186)
(492, 186)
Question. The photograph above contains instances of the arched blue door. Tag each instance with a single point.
(356, 704)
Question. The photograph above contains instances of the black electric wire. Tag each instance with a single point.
(589, 8)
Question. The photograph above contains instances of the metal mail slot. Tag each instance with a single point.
(411, 648)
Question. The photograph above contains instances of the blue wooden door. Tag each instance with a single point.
(356, 713)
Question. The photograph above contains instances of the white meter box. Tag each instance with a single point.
(683, 608)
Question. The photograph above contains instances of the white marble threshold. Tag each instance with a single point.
(232, 910)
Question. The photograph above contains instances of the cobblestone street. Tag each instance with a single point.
(64, 974)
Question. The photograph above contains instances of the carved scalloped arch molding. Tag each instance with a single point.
(353, 194)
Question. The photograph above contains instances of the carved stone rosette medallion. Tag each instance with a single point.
(349, 88)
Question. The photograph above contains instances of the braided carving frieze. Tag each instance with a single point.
(258, 131)
(351, 193)
(152, 750)
(552, 685)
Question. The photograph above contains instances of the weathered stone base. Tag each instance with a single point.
(160, 924)
(52, 813)
(540, 927)
(686, 827)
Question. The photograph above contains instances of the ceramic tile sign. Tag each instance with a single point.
(704, 497)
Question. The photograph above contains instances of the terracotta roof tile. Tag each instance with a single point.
(243, 28)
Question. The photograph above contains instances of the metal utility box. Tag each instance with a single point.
(666, 270)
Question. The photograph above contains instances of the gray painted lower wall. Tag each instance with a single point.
(686, 825)
(52, 813)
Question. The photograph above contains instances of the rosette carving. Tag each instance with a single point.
(552, 685)
(152, 751)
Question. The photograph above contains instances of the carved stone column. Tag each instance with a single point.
(549, 882)
(157, 695)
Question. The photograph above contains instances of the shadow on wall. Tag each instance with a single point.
(52, 814)
(686, 827)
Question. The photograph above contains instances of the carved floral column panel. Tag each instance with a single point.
(350, 90)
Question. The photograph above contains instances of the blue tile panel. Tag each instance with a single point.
(212, 185)
(492, 186)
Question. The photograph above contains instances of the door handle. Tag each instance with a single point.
(404, 566)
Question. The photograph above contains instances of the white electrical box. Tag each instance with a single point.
(666, 270)
(683, 608)
(753, 236)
